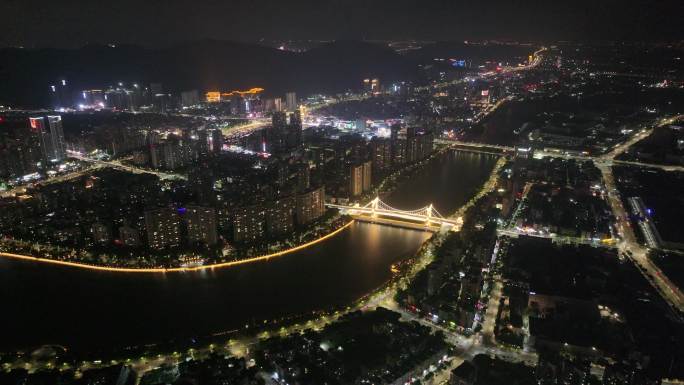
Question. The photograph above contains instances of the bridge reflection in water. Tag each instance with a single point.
(376, 211)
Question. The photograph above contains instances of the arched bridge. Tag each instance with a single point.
(377, 211)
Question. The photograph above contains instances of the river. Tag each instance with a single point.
(47, 304)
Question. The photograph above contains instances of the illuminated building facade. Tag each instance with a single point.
(381, 152)
(213, 97)
(356, 180)
(201, 225)
(291, 101)
(57, 137)
(93, 98)
(279, 216)
(367, 166)
(249, 223)
(163, 228)
(51, 136)
(371, 85)
(310, 206)
(20, 147)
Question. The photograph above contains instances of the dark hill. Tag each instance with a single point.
(25, 75)
(476, 52)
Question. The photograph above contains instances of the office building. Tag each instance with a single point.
(291, 101)
(57, 137)
(51, 137)
(163, 228)
(38, 127)
(20, 147)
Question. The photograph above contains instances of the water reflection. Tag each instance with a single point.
(78, 308)
(446, 182)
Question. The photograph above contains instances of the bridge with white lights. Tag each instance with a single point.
(376, 211)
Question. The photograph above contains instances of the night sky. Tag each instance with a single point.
(71, 23)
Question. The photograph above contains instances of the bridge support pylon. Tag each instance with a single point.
(428, 214)
(374, 207)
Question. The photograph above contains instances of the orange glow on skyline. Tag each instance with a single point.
(174, 269)
(216, 96)
(213, 96)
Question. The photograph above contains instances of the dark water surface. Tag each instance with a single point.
(46, 304)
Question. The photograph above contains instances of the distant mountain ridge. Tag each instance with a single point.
(26, 75)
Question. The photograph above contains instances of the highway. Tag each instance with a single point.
(18, 190)
(118, 165)
(242, 130)
(515, 233)
(628, 245)
(609, 157)
(521, 205)
(636, 252)
(482, 343)
(536, 60)
(663, 167)
(315, 107)
(242, 346)
(474, 145)
(485, 342)
(489, 324)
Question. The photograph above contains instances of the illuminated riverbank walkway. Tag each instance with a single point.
(117, 269)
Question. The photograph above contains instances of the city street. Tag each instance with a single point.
(56, 179)
(118, 165)
(637, 253)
